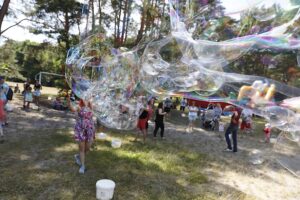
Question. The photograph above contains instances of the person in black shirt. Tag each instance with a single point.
(159, 120)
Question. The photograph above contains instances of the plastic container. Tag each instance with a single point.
(273, 140)
(105, 189)
(9, 107)
(221, 127)
(116, 143)
(102, 136)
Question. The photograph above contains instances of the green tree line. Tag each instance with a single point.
(58, 19)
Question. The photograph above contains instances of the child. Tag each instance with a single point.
(246, 124)
(28, 97)
(57, 104)
(2, 120)
(267, 131)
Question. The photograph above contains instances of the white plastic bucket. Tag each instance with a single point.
(102, 136)
(221, 127)
(116, 143)
(9, 107)
(105, 189)
(273, 140)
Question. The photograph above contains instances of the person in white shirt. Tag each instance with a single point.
(193, 110)
(183, 104)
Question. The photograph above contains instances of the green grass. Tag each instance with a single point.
(40, 165)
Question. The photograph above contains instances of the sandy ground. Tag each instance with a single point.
(266, 181)
(46, 90)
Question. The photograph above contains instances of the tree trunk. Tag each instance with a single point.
(93, 16)
(100, 13)
(115, 28)
(126, 12)
(118, 24)
(3, 12)
(127, 20)
(142, 27)
(66, 30)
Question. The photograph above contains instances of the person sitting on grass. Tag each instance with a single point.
(84, 131)
(57, 104)
(65, 104)
(17, 89)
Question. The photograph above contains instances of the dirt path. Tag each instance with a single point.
(21, 121)
(266, 181)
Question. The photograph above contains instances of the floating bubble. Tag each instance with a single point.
(287, 152)
(256, 157)
(170, 65)
(279, 116)
(205, 37)
(84, 63)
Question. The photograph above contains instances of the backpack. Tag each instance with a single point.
(9, 94)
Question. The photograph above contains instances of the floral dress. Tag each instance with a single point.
(84, 127)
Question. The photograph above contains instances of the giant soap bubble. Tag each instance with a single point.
(287, 151)
(205, 38)
(107, 77)
(180, 71)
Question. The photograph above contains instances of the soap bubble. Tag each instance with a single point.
(279, 116)
(204, 39)
(170, 65)
(256, 157)
(107, 77)
(287, 151)
(84, 64)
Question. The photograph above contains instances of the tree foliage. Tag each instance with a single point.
(20, 60)
(129, 22)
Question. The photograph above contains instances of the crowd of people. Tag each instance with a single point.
(84, 129)
(210, 118)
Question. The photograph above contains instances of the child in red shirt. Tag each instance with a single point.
(267, 131)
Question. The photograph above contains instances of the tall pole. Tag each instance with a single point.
(40, 78)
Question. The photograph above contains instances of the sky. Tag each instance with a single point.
(233, 8)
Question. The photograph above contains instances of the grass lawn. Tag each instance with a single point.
(39, 164)
(42, 167)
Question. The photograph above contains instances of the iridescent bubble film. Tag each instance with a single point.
(205, 42)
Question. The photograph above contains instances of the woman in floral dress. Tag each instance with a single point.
(84, 131)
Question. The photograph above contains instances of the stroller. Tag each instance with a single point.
(209, 120)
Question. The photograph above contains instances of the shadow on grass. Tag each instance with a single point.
(42, 167)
